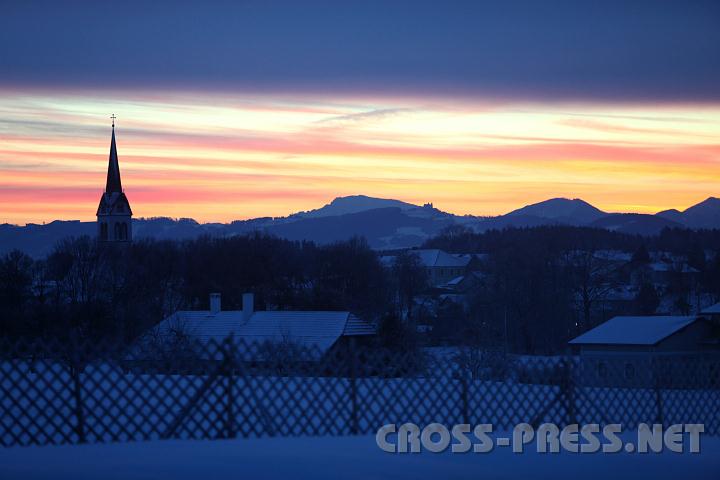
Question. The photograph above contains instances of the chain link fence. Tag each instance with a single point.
(87, 392)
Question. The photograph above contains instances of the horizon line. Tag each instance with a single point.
(151, 217)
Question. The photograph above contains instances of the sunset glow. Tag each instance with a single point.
(217, 157)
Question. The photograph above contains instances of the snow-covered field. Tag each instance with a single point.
(118, 406)
(335, 458)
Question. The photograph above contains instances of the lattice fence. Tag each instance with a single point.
(53, 393)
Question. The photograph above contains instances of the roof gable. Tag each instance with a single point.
(643, 330)
(114, 203)
(315, 329)
(712, 310)
(439, 258)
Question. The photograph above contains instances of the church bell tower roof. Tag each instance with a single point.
(113, 183)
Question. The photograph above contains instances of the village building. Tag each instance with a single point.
(713, 313)
(314, 332)
(645, 350)
(642, 335)
(618, 300)
(665, 273)
(114, 215)
(464, 284)
(440, 266)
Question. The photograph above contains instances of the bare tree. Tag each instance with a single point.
(594, 276)
(411, 279)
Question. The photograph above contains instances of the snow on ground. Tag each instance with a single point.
(337, 457)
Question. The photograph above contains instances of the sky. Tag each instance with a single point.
(232, 110)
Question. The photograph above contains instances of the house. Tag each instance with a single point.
(618, 300)
(615, 256)
(313, 332)
(712, 313)
(665, 273)
(475, 261)
(441, 266)
(646, 334)
(464, 283)
(645, 350)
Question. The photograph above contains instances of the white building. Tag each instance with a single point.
(712, 312)
(317, 331)
(440, 266)
(648, 350)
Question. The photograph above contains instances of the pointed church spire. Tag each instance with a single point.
(113, 175)
(114, 215)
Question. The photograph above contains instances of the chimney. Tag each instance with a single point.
(214, 303)
(248, 306)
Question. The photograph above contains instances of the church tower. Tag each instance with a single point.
(114, 216)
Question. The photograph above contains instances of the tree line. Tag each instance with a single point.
(536, 288)
(98, 290)
(542, 286)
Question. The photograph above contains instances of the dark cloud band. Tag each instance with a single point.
(640, 50)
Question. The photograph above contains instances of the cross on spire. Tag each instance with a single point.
(113, 119)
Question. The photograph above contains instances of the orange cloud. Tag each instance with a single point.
(220, 159)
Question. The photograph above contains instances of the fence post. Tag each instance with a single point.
(77, 395)
(658, 391)
(464, 397)
(75, 362)
(353, 389)
(228, 360)
(568, 387)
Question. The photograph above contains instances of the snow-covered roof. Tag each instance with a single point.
(646, 330)
(439, 258)
(454, 297)
(432, 258)
(458, 281)
(622, 293)
(712, 310)
(668, 267)
(613, 255)
(388, 260)
(455, 281)
(316, 329)
(470, 256)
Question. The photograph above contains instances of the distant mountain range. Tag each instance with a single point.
(561, 210)
(386, 223)
(705, 214)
